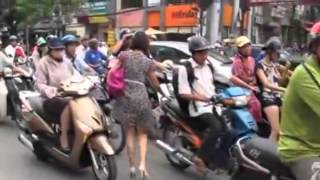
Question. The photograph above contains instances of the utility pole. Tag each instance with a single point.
(213, 21)
(236, 9)
(145, 14)
(162, 14)
(250, 23)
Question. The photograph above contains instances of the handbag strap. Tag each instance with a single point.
(311, 75)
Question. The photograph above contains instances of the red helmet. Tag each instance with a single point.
(20, 52)
(315, 30)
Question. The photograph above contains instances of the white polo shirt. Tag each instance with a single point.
(203, 84)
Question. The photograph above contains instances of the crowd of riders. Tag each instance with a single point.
(292, 112)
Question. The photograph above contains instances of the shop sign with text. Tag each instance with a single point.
(181, 15)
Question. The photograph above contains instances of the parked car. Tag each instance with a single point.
(176, 51)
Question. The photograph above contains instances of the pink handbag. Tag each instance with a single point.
(115, 83)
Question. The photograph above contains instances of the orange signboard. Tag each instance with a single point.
(132, 18)
(227, 15)
(181, 15)
(154, 19)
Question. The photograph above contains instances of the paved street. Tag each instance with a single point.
(18, 163)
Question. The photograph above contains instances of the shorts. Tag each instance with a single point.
(56, 105)
(270, 99)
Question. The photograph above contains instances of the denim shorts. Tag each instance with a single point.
(270, 99)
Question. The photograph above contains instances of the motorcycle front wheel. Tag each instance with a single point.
(106, 168)
(118, 138)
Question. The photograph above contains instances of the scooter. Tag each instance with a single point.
(89, 135)
(13, 83)
(99, 92)
(239, 151)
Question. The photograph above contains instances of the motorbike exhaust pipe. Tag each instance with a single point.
(180, 155)
(25, 141)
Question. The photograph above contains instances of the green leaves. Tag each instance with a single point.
(31, 11)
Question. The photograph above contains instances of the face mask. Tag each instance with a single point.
(57, 55)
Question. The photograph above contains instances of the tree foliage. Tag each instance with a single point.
(31, 11)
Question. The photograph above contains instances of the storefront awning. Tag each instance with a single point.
(151, 31)
(264, 2)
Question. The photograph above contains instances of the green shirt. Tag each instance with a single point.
(300, 122)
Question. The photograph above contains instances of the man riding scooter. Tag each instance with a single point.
(299, 142)
(199, 90)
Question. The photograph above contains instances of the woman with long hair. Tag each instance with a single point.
(133, 108)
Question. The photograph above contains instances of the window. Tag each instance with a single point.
(130, 4)
(161, 53)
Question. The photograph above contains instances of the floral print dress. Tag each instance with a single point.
(134, 107)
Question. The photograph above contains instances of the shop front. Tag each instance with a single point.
(96, 20)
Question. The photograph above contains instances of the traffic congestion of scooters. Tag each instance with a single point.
(244, 150)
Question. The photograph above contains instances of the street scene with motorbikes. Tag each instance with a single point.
(160, 89)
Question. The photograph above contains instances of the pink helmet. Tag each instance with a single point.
(315, 30)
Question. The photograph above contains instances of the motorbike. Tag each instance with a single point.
(239, 151)
(118, 136)
(89, 133)
(15, 82)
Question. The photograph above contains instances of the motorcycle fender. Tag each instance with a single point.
(101, 144)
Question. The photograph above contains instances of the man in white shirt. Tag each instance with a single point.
(200, 91)
(10, 50)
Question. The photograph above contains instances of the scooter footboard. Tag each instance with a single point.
(101, 144)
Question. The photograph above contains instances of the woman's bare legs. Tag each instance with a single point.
(65, 126)
(273, 116)
(143, 144)
(131, 148)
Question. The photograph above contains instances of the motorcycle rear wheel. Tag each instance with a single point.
(171, 137)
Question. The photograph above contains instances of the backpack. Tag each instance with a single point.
(183, 103)
(115, 83)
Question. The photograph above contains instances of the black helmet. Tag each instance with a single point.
(198, 43)
(56, 43)
(273, 44)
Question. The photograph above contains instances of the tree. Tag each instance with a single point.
(31, 11)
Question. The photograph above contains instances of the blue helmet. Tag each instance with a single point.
(69, 38)
(56, 43)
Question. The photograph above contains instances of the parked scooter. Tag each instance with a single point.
(89, 135)
(239, 151)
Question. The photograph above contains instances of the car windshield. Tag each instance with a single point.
(222, 58)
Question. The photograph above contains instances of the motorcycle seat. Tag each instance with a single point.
(36, 102)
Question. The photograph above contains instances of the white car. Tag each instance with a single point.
(176, 51)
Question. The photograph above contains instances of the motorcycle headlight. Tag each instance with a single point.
(240, 101)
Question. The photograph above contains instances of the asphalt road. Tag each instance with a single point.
(18, 163)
